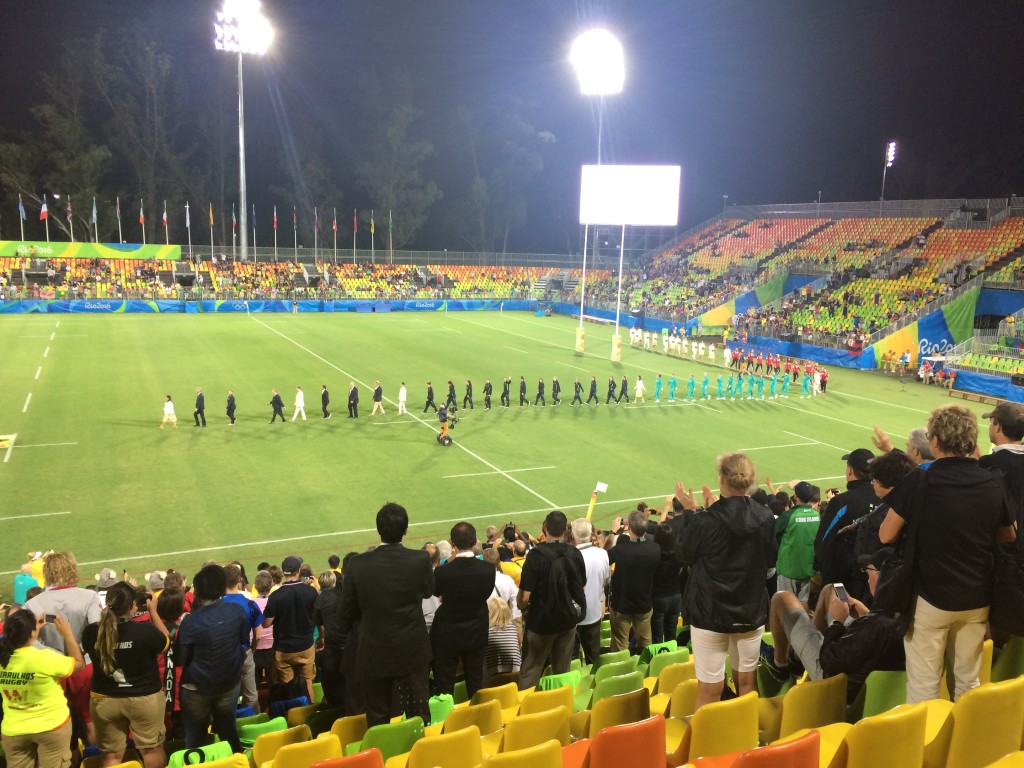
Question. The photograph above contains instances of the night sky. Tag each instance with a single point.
(766, 101)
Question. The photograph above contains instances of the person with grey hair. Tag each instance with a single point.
(1006, 432)
(444, 551)
(599, 573)
(918, 448)
(636, 561)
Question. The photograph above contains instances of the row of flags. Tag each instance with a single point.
(44, 215)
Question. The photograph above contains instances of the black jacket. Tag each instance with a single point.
(866, 644)
(834, 552)
(729, 547)
(464, 584)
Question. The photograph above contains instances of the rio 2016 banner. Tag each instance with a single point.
(934, 334)
(54, 250)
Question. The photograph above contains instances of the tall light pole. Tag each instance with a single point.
(890, 155)
(598, 59)
(241, 28)
(725, 202)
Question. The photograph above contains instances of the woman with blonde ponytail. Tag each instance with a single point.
(127, 690)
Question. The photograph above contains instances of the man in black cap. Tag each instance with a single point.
(834, 547)
(844, 636)
(795, 530)
(290, 611)
(1005, 431)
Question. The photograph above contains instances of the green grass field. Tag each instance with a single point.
(90, 471)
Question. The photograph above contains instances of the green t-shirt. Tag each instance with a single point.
(33, 700)
(797, 527)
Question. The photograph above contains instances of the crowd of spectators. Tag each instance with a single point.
(710, 569)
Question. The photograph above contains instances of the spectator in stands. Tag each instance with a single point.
(795, 530)
(595, 585)
(36, 727)
(834, 545)
(331, 640)
(886, 472)
(171, 607)
(263, 649)
(967, 511)
(234, 594)
(290, 611)
(502, 656)
(546, 597)
(505, 588)
(459, 631)
(127, 692)
(209, 648)
(730, 547)
(1005, 432)
(842, 637)
(635, 561)
(384, 591)
(666, 597)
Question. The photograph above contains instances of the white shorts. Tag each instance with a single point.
(169, 417)
(710, 649)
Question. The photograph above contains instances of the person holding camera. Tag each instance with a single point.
(36, 727)
(636, 560)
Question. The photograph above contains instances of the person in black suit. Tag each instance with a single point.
(623, 391)
(469, 395)
(278, 405)
(488, 389)
(353, 400)
(540, 394)
(577, 392)
(231, 406)
(522, 392)
(593, 391)
(384, 591)
(506, 398)
(325, 400)
(430, 399)
(200, 411)
(459, 630)
(556, 391)
(452, 401)
(611, 390)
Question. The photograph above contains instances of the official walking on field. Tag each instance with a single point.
(353, 401)
(325, 400)
(200, 411)
(403, 393)
(577, 392)
(300, 404)
(231, 407)
(469, 395)
(593, 391)
(378, 399)
(169, 414)
(522, 392)
(488, 389)
(556, 391)
(430, 399)
(278, 405)
(506, 397)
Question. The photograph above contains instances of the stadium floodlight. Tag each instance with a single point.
(890, 156)
(600, 65)
(241, 28)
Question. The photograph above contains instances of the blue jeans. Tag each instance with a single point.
(199, 709)
(665, 618)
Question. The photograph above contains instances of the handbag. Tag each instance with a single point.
(895, 590)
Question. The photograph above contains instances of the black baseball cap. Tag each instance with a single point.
(804, 491)
(860, 459)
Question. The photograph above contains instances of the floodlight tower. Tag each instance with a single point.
(890, 155)
(600, 66)
(241, 28)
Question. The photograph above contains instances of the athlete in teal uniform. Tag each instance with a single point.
(704, 388)
(773, 385)
(750, 386)
(691, 385)
(658, 382)
(760, 387)
(785, 386)
(721, 384)
(673, 382)
(805, 386)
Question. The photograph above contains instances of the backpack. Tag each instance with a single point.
(562, 607)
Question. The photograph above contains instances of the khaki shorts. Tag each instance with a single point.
(169, 417)
(287, 664)
(114, 717)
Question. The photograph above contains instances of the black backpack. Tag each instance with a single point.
(563, 607)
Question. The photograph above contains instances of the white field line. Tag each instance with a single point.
(481, 474)
(26, 517)
(819, 442)
(24, 408)
(417, 418)
(10, 446)
(38, 371)
(773, 447)
(46, 352)
(44, 445)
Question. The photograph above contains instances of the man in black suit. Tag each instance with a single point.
(200, 411)
(430, 398)
(506, 398)
(325, 400)
(231, 406)
(593, 391)
(611, 391)
(278, 405)
(353, 400)
(384, 591)
(556, 391)
(488, 389)
(469, 395)
(459, 630)
(522, 392)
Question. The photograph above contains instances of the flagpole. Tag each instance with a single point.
(355, 230)
(117, 210)
(255, 258)
(142, 220)
(71, 220)
(295, 233)
(95, 224)
(391, 239)
(335, 225)
(21, 217)
(275, 234)
(188, 226)
(316, 226)
(373, 253)
(211, 231)
(167, 228)
(46, 218)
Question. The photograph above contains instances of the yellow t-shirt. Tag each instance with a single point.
(36, 569)
(33, 700)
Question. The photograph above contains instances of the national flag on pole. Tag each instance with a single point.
(43, 214)
(94, 211)
(316, 221)
(355, 221)
(234, 222)
(295, 218)
(371, 221)
(254, 216)
(211, 215)
(334, 222)
(142, 214)
(389, 221)
(21, 209)
(68, 210)
(165, 215)
(117, 207)
(275, 218)
(188, 218)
